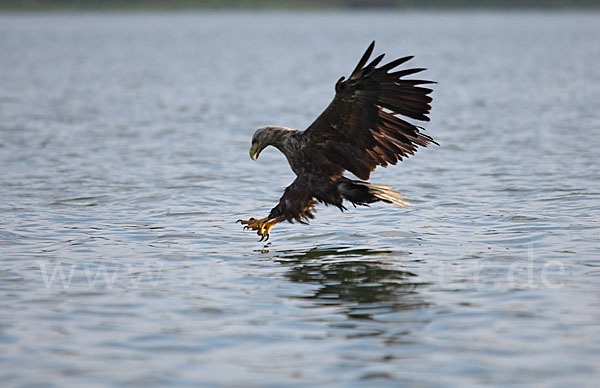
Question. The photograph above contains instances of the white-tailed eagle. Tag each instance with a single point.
(360, 130)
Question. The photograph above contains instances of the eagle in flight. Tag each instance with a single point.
(358, 131)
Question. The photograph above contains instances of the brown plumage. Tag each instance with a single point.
(358, 131)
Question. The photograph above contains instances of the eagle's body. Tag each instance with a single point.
(359, 130)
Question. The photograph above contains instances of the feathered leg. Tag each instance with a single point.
(296, 204)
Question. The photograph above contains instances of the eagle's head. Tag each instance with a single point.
(266, 136)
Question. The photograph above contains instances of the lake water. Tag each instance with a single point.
(124, 164)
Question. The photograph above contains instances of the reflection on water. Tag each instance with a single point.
(356, 279)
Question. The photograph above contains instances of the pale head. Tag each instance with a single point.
(266, 136)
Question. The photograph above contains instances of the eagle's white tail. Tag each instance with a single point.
(385, 193)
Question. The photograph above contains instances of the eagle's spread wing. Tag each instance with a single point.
(360, 129)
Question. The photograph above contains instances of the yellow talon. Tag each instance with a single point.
(262, 226)
(253, 223)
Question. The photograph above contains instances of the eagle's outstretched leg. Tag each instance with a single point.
(262, 226)
(297, 203)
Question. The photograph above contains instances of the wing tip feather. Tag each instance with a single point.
(364, 58)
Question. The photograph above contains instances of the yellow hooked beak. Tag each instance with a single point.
(254, 151)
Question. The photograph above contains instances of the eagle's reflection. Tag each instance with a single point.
(364, 282)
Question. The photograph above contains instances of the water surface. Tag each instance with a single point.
(124, 151)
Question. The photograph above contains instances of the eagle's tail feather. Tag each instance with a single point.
(364, 193)
(385, 193)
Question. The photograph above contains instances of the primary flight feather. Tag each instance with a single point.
(358, 131)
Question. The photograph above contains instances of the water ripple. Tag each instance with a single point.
(124, 143)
